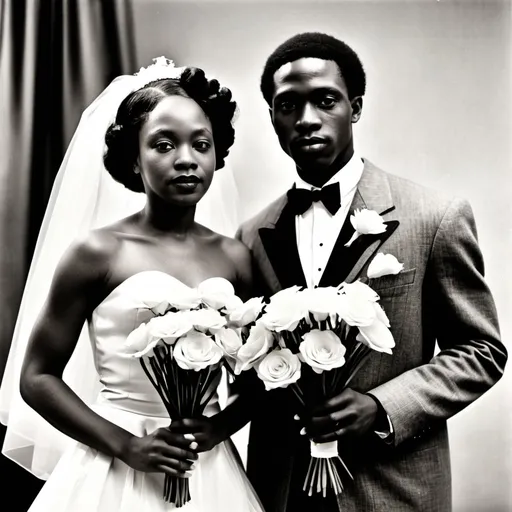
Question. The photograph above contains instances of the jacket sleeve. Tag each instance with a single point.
(460, 311)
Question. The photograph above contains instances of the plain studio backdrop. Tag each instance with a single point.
(437, 111)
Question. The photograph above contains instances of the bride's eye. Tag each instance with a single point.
(203, 145)
(163, 146)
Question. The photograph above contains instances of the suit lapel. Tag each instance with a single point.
(346, 263)
(280, 243)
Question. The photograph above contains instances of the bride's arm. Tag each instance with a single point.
(76, 289)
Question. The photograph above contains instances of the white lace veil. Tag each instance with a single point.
(84, 197)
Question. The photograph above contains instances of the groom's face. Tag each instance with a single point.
(313, 115)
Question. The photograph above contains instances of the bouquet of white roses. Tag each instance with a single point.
(314, 341)
(190, 335)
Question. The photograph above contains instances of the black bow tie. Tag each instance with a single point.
(300, 199)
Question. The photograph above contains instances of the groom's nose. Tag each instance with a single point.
(308, 119)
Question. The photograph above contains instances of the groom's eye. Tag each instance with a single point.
(286, 106)
(327, 102)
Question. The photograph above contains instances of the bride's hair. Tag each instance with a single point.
(121, 137)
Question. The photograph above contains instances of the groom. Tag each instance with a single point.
(391, 424)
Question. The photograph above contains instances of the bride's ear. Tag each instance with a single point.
(136, 167)
(271, 114)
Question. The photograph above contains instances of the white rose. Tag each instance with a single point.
(322, 350)
(196, 351)
(284, 295)
(185, 299)
(257, 345)
(359, 288)
(357, 305)
(218, 293)
(229, 340)
(247, 312)
(170, 326)
(377, 336)
(322, 301)
(383, 265)
(381, 315)
(206, 320)
(156, 306)
(286, 309)
(366, 222)
(279, 369)
(140, 342)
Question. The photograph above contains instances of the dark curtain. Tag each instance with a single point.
(55, 57)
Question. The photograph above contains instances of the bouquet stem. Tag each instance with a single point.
(176, 490)
(325, 470)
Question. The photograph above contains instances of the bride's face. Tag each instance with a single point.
(176, 151)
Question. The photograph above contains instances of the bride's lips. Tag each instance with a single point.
(186, 182)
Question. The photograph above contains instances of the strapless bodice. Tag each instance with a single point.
(124, 384)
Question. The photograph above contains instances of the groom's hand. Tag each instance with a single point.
(349, 413)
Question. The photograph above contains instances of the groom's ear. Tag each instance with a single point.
(357, 108)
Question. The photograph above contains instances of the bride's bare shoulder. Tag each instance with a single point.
(99, 247)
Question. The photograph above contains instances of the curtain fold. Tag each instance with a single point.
(55, 58)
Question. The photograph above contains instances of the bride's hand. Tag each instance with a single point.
(207, 432)
(162, 451)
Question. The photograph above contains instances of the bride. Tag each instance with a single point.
(166, 132)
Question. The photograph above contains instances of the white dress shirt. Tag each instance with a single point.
(317, 230)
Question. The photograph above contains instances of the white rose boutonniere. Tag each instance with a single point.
(366, 222)
(383, 265)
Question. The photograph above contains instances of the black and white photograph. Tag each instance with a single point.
(255, 255)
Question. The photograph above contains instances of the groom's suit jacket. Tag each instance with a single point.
(439, 296)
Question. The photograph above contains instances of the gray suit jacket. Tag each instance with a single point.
(439, 296)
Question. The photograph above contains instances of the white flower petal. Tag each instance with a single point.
(377, 336)
(383, 265)
(279, 369)
(218, 293)
(255, 348)
(196, 351)
(322, 350)
(366, 222)
(247, 312)
(229, 340)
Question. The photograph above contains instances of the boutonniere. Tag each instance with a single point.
(366, 222)
(384, 265)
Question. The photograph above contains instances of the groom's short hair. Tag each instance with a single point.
(320, 46)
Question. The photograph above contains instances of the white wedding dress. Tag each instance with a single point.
(86, 480)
